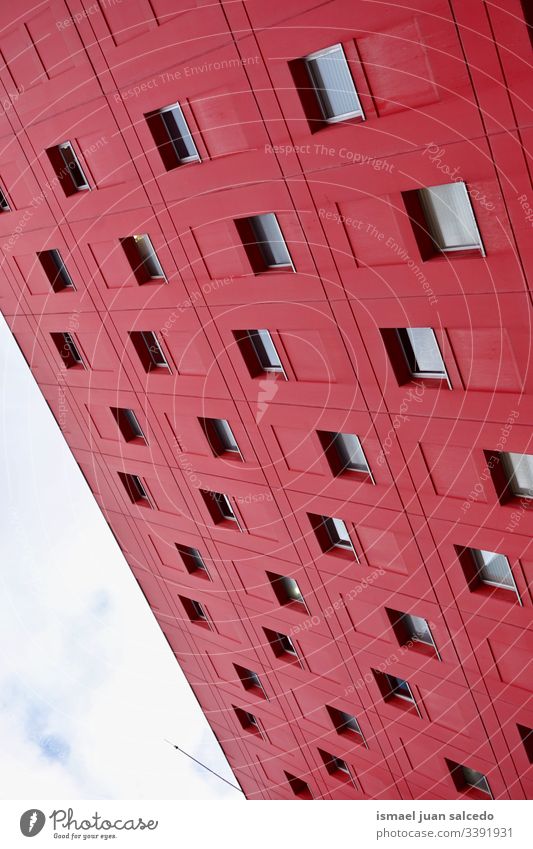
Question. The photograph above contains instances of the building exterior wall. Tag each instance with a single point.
(446, 98)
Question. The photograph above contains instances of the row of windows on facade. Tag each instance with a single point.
(448, 221)
(392, 688)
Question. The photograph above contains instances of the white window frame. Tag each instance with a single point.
(430, 221)
(338, 437)
(421, 375)
(344, 546)
(192, 157)
(476, 554)
(67, 145)
(318, 54)
(268, 369)
(279, 265)
(413, 633)
(152, 257)
(510, 472)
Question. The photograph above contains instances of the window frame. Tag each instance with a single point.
(278, 266)
(312, 57)
(152, 258)
(4, 201)
(254, 333)
(510, 473)
(343, 546)
(68, 145)
(422, 375)
(476, 554)
(430, 220)
(190, 158)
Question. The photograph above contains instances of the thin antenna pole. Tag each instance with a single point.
(212, 771)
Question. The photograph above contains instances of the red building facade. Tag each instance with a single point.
(376, 656)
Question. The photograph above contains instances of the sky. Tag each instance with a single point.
(89, 688)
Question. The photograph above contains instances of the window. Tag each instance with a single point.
(142, 258)
(412, 629)
(67, 167)
(344, 453)
(219, 507)
(4, 205)
(336, 766)
(172, 136)
(422, 353)
(250, 680)
(286, 590)
(494, 570)
(248, 721)
(298, 786)
(395, 690)
(73, 167)
(526, 735)
(55, 270)
(449, 218)
(149, 350)
(345, 723)
(67, 350)
(337, 533)
(281, 644)
(220, 437)
(192, 560)
(128, 425)
(259, 352)
(333, 84)
(519, 471)
(195, 611)
(466, 778)
(135, 489)
(264, 242)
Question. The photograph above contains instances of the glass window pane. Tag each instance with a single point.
(148, 256)
(418, 628)
(270, 240)
(425, 349)
(179, 133)
(331, 78)
(265, 349)
(519, 469)
(449, 216)
(494, 568)
(225, 434)
(350, 452)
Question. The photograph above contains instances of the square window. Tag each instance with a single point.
(466, 778)
(220, 437)
(250, 680)
(195, 611)
(410, 629)
(4, 205)
(396, 690)
(519, 471)
(68, 169)
(286, 590)
(56, 270)
(68, 350)
(259, 352)
(299, 787)
(128, 425)
(248, 721)
(135, 489)
(192, 560)
(526, 735)
(494, 569)
(172, 136)
(344, 453)
(345, 723)
(149, 350)
(449, 218)
(336, 766)
(422, 353)
(143, 259)
(219, 507)
(333, 85)
(264, 243)
(281, 644)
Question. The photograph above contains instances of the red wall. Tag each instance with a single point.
(444, 92)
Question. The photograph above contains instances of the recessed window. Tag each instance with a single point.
(264, 243)
(410, 629)
(286, 590)
(259, 352)
(487, 568)
(193, 560)
(172, 136)
(68, 350)
(333, 85)
(299, 787)
(135, 489)
(336, 766)
(219, 507)
(68, 169)
(466, 778)
(449, 218)
(344, 453)
(220, 437)
(248, 721)
(128, 425)
(149, 350)
(519, 471)
(4, 205)
(281, 644)
(56, 270)
(345, 723)
(526, 735)
(250, 680)
(395, 690)
(143, 258)
(422, 353)
(195, 611)
(332, 535)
